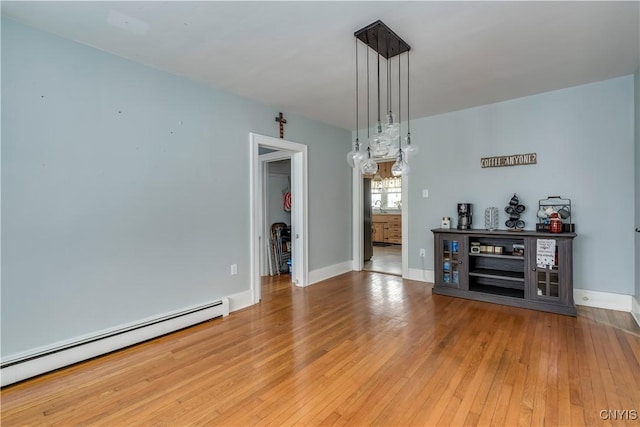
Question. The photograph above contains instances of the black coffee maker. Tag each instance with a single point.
(465, 216)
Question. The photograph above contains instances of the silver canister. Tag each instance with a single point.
(491, 218)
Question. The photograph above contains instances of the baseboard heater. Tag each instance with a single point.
(38, 362)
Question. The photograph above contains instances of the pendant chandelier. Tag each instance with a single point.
(386, 139)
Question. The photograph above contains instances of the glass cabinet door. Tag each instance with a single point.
(451, 262)
(548, 274)
(547, 283)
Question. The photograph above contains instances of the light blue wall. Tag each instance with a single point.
(125, 190)
(584, 138)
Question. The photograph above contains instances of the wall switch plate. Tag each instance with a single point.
(234, 269)
(425, 193)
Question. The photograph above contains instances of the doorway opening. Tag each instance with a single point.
(379, 221)
(382, 203)
(277, 256)
(265, 151)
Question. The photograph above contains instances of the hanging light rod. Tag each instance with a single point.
(382, 39)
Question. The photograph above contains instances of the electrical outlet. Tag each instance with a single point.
(425, 193)
(234, 269)
(423, 252)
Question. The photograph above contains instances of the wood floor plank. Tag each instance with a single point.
(447, 402)
(359, 349)
(563, 381)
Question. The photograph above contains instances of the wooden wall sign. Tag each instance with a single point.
(512, 160)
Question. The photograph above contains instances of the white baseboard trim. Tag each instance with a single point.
(28, 364)
(325, 273)
(606, 300)
(420, 275)
(239, 301)
(635, 309)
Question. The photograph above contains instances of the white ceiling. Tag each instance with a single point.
(299, 56)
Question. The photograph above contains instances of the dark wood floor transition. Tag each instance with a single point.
(359, 349)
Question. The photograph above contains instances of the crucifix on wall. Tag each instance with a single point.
(280, 119)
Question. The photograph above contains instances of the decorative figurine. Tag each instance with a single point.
(514, 209)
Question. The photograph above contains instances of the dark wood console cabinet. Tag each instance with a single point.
(503, 276)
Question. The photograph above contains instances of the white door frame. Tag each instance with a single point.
(299, 208)
(358, 221)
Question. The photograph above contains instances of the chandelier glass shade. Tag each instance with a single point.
(400, 167)
(384, 140)
(355, 156)
(369, 166)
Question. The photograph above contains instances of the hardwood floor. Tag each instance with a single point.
(360, 349)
